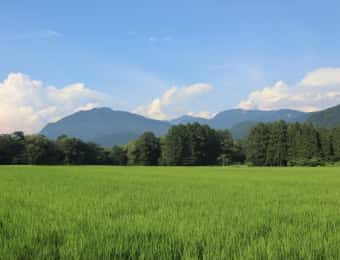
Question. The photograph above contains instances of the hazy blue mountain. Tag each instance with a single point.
(107, 127)
(104, 126)
(189, 119)
(326, 118)
(230, 118)
(241, 130)
(115, 138)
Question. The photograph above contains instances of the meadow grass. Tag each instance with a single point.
(169, 213)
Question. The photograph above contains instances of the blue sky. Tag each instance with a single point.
(134, 51)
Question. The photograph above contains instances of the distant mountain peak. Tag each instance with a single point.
(108, 127)
(229, 118)
(185, 119)
(104, 126)
(329, 117)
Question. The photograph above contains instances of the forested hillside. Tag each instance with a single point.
(281, 144)
(230, 118)
(326, 118)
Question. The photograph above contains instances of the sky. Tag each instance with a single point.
(163, 59)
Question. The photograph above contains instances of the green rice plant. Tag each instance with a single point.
(85, 212)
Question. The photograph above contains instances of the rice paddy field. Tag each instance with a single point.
(169, 213)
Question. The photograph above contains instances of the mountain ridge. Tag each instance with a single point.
(95, 124)
(108, 127)
(326, 118)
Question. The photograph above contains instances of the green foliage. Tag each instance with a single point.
(204, 143)
(12, 148)
(73, 150)
(312, 162)
(326, 143)
(145, 150)
(177, 146)
(169, 213)
(309, 145)
(118, 155)
(257, 144)
(148, 149)
(268, 144)
(193, 144)
(277, 150)
(226, 148)
(336, 142)
(37, 149)
(40, 150)
(281, 144)
(132, 153)
(293, 141)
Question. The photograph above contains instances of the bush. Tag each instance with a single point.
(313, 162)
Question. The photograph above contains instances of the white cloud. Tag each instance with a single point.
(27, 104)
(317, 90)
(322, 77)
(50, 34)
(202, 114)
(173, 102)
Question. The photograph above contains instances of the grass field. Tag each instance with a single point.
(169, 213)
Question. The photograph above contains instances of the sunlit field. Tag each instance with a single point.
(169, 213)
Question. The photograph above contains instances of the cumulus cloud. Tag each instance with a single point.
(173, 102)
(322, 77)
(27, 104)
(319, 89)
(202, 114)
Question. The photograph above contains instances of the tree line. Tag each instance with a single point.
(268, 144)
(17, 148)
(282, 144)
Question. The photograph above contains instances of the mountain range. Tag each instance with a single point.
(104, 126)
(108, 127)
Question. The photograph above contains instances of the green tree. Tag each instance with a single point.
(336, 143)
(257, 144)
(12, 148)
(277, 150)
(293, 142)
(304, 145)
(73, 150)
(177, 146)
(6, 152)
(204, 144)
(40, 150)
(226, 147)
(326, 144)
(309, 143)
(144, 151)
(93, 154)
(148, 149)
(132, 153)
(118, 155)
(239, 151)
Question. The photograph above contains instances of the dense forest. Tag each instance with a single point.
(268, 144)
